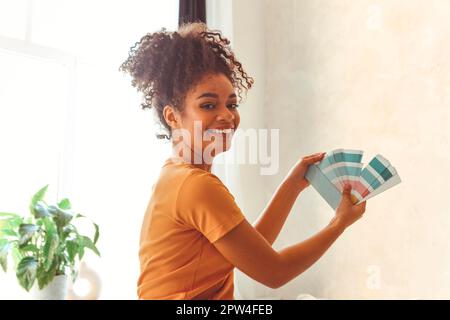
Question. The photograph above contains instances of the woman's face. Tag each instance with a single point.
(209, 117)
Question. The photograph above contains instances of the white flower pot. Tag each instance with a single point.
(55, 290)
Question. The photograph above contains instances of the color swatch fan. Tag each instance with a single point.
(342, 166)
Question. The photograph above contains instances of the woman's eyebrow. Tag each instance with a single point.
(213, 95)
(208, 94)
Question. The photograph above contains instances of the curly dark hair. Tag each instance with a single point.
(165, 65)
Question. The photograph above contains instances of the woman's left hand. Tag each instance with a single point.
(297, 173)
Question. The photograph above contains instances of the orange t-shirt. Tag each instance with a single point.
(189, 209)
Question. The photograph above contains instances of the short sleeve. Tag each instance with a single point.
(206, 204)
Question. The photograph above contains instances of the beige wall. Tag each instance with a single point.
(363, 74)
(370, 75)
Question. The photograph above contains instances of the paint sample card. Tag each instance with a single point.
(344, 166)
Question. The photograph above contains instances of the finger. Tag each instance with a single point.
(313, 158)
(318, 154)
(362, 205)
(347, 189)
(346, 194)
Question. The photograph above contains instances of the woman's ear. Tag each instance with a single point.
(171, 116)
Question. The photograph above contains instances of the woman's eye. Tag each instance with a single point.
(211, 106)
(207, 106)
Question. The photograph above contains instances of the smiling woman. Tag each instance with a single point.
(193, 233)
(190, 77)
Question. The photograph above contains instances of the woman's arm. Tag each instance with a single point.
(272, 219)
(251, 253)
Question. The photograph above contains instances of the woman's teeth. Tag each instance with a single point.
(220, 130)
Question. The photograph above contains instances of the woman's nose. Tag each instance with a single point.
(225, 115)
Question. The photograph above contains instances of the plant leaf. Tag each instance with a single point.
(44, 277)
(70, 228)
(80, 244)
(8, 225)
(53, 210)
(9, 215)
(51, 242)
(38, 196)
(4, 250)
(40, 210)
(65, 204)
(26, 232)
(72, 249)
(13, 222)
(49, 225)
(8, 232)
(26, 272)
(30, 248)
(17, 256)
(62, 217)
(50, 247)
(89, 244)
(97, 233)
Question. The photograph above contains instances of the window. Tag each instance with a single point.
(70, 119)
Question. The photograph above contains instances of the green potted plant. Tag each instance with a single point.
(45, 245)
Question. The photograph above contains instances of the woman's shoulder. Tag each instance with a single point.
(198, 180)
(188, 173)
(181, 180)
(193, 183)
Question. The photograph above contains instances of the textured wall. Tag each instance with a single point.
(371, 75)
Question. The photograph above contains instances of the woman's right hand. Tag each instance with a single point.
(347, 212)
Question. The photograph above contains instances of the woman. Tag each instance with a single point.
(193, 233)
